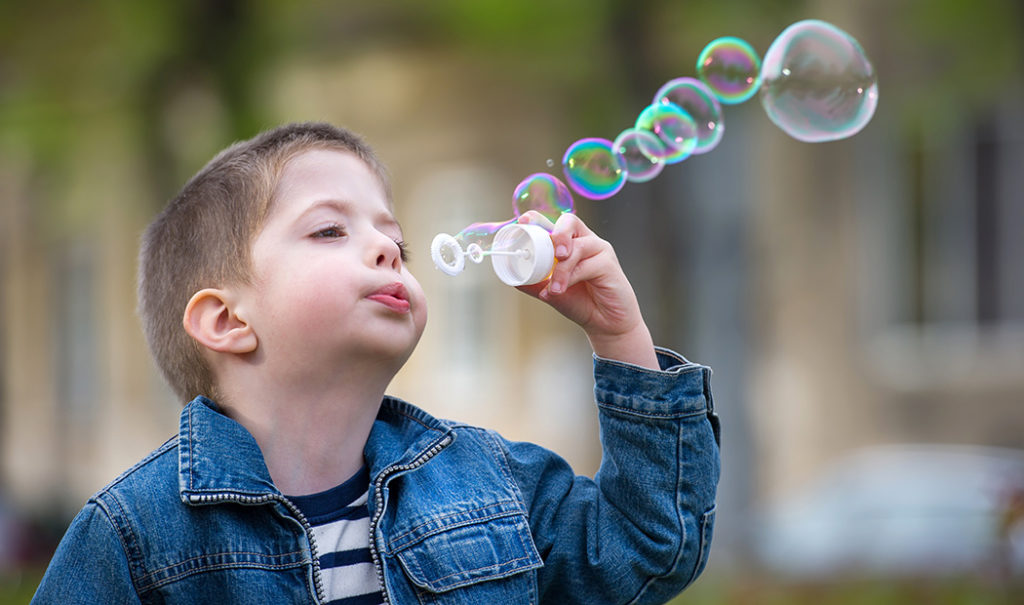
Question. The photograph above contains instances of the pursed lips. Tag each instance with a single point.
(392, 296)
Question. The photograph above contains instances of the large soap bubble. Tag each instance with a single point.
(817, 84)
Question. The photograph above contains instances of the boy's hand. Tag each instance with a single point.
(588, 286)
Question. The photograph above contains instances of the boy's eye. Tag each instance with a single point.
(329, 232)
(403, 250)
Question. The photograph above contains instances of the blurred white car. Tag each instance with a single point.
(901, 510)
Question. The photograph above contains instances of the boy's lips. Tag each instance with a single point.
(392, 296)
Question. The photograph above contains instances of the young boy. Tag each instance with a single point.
(275, 296)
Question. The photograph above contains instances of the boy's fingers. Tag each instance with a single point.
(568, 229)
(575, 246)
(536, 218)
(569, 270)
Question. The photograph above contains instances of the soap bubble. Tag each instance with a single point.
(545, 194)
(481, 234)
(818, 85)
(450, 253)
(632, 147)
(731, 69)
(696, 99)
(676, 129)
(593, 169)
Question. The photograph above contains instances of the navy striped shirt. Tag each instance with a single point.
(341, 527)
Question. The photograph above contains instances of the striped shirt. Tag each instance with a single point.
(341, 527)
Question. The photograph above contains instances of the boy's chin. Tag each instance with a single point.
(393, 353)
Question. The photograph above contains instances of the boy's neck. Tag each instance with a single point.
(311, 431)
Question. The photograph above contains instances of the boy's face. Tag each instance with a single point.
(329, 280)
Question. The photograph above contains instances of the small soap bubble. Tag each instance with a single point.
(731, 68)
(817, 83)
(550, 163)
(696, 99)
(593, 169)
(544, 193)
(632, 147)
(674, 127)
(481, 234)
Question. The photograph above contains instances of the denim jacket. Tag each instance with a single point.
(457, 513)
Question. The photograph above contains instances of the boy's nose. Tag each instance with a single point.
(388, 253)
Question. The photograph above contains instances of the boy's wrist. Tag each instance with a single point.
(634, 347)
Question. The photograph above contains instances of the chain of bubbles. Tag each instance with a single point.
(815, 83)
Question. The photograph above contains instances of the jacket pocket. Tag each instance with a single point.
(474, 556)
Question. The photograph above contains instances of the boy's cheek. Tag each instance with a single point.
(419, 309)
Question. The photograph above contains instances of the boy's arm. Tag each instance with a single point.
(640, 531)
(89, 566)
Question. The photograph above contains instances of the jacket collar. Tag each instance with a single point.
(218, 456)
(401, 435)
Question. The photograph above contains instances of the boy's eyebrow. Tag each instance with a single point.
(345, 206)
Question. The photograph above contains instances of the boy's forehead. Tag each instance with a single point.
(329, 174)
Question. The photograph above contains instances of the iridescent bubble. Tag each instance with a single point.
(676, 129)
(817, 83)
(593, 169)
(474, 242)
(545, 194)
(632, 147)
(731, 69)
(481, 234)
(696, 99)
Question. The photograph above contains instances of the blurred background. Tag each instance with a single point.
(861, 301)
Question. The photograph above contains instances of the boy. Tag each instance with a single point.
(275, 296)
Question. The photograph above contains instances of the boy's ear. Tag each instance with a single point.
(212, 319)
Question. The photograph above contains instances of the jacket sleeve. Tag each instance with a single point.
(89, 566)
(640, 531)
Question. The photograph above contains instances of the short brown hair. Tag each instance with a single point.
(203, 238)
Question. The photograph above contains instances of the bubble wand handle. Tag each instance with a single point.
(522, 254)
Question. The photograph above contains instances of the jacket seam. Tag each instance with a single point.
(664, 415)
(223, 554)
(136, 565)
(682, 533)
(470, 581)
(219, 567)
(167, 446)
(499, 452)
(443, 528)
(406, 410)
(684, 367)
(191, 458)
